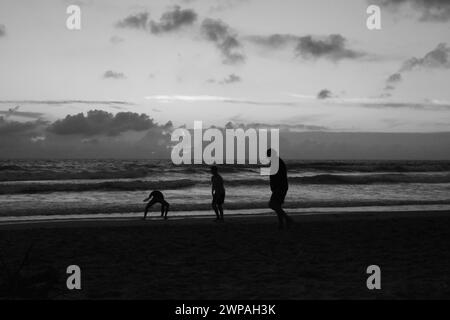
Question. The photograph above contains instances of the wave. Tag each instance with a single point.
(372, 179)
(10, 168)
(388, 178)
(136, 185)
(370, 166)
(36, 170)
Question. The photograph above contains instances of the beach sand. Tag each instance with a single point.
(321, 256)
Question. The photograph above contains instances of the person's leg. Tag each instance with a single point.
(166, 209)
(146, 210)
(219, 206)
(288, 219)
(216, 209)
(275, 205)
(147, 207)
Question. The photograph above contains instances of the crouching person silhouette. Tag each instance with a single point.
(156, 197)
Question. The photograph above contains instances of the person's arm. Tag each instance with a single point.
(148, 198)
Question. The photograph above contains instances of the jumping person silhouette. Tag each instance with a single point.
(157, 196)
(279, 187)
(218, 193)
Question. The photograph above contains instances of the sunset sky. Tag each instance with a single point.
(290, 62)
(297, 65)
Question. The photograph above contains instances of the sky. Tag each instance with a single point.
(309, 65)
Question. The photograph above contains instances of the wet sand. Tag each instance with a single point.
(322, 256)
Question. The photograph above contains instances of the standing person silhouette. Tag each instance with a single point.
(279, 187)
(157, 196)
(218, 193)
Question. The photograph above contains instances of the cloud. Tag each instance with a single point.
(430, 10)
(394, 78)
(232, 78)
(64, 102)
(274, 41)
(413, 105)
(134, 21)
(282, 127)
(2, 30)
(8, 127)
(26, 114)
(173, 20)
(98, 122)
(207, 98)
(438, 58)
(333, 47)
(225, 40)
(324, 94)
(378, 102)
(223, 5)
(215, 31)
(113, 75)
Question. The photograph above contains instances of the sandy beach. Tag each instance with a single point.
(322, 256)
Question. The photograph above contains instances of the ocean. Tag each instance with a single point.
(60, 189)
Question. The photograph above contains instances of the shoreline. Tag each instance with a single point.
(125, 220)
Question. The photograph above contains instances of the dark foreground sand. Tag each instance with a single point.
(322, 256)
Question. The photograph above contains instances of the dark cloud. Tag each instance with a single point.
(113, 75)
(2, 30)
(438, 58)
(225, 40)
(274, 41)
(135, 21)
(430, 10)
(324, 94)
(98, 122)
(394, 78)
(333, 47)
(8, 127)
(173, 20)
(232, 78)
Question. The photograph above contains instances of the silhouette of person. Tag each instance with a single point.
(279, 187)
(157, 197)
(218, 193)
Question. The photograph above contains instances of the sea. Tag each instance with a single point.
(113, 189)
